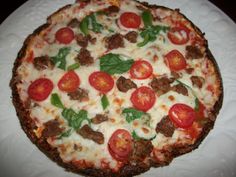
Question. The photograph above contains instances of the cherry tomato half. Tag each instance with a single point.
(120, 145)
(65, 35)
(130, 20)
(141, 69)
(101, 81)
(40, 89)
(69, 82)
(175, 60)
(182, 115)
(178, 35)
(143, 98)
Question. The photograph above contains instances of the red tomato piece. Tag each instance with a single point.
(130, 20)
(101, 81)
(200, 112)
(178, 35)
(120, 145)
(143, 98)
(193, 131)
(141, 69)
(65, 35)
(40, 89)
(69, 82)
(182, 115)
(175, 60)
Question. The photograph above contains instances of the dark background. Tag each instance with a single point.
(9, 6)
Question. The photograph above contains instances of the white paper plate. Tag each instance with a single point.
(216, 156)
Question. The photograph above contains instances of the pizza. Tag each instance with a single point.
(115, 87)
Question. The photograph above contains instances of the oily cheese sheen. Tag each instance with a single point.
(113, 88)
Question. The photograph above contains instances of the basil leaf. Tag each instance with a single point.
(194, 94)
(196, 108)
(135, 136)
(88, 21)
(105, 102)
(75, 119)
(132, 114)
(60, 58)
(56, 101)
(147, 18)
(66, 134)
(73, 67)
(84, 26)
(113, 64)
(96, 27)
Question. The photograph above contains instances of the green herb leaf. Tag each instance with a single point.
(196, 108)
(75, 119)
(190, 88)
(132, 114)
(135, 136)
(88, 21)
(113, 64)
(66, 134)
(56, 101)
(73, 66)
(84, 24)
(96, 27)
(105, 102)
(60, 58)
(147, 18)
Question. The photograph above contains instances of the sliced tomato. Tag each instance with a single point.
(178, 35)
(65, 35)
(141, 69)
(175, 60)
(120, 145)
(40, 89)
(130, 20)
(69, 82)
(143, 98)
(101, 81)
(182, 115)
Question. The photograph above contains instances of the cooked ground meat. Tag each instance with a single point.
(141, 149)
(131, 36)
(193, 52)
(52, 128)
(124, 84)
(165, 126)
(115, 41)
(175, 75)
(88, 133)
(82, 40)
(179, 88)
(161, 85)
(197, 81)
(111, 9)
(43, 62)
(74, 23)
(80, 95)
(99, 118)
(189, 70)
(91, 39)
(84, 57)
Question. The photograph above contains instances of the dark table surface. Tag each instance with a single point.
(9, 6)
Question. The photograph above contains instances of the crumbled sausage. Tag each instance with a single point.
(193, 52)
(165, 126)
(111, 9)
(161, 85)
(115, 41)
(80, 95)
(74, 23)
(52, 128)
(88, 133)
(197, 81)
(141, 149)
(179, 88)
(99, 118)
(124, 84)
(131, 36)
(189, 70)
(84, 57)
(82, 40)
(43, 62)
(175, 75)
(91, 39)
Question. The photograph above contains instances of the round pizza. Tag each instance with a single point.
(115, 87)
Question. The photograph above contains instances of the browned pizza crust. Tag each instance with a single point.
(28, 124)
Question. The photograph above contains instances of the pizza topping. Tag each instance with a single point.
(178, 35)
(161, 85)
(141, 69)
(110, 10)
(99, 118)
(143, 98)
(197, 81)
(114, 64)
(101, 81)
(124, 84)
(175, 75)
(74, 23)
(131, 36)
(90, 23)
(120, 145)
(60, 59)
(131, 114)
(64, 35)
(40, 89)
(82, 41)
(56, 101)
(79, 94)
(180, 88)
(141, 149)
(43, 62)
(88, 133)
(175, 60)
(115, 41)
(130, 20)
(66, 133)
(182, 115)
(189, 70)
(73, 66)
(165, 127)
(84, 57)
(193, 52)
(51, 128)
(69, 82)
(105, 102)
